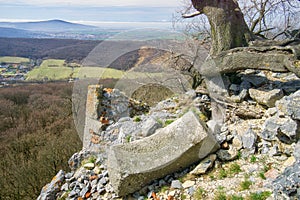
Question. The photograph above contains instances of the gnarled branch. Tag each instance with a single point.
(272, 58)
(191, 15)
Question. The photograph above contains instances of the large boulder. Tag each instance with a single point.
(173, 148)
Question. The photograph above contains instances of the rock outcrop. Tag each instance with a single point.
(50, 190)
(155, 155)
(175, 147)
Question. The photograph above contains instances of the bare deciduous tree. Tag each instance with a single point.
(268, 19)
(272, 18)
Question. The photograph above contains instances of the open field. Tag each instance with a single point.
(10, 59)
(53, 69)
(53, 63)
(97, 72)
(50, 73)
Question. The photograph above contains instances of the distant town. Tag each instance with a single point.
(14, 71)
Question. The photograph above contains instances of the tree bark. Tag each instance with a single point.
(228, 27)
(272, 58)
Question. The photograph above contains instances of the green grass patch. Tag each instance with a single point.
(253, 159)
(266, 168)
(17, 60)
(220, 194)
(183, 196)
(91, 159)
(262, 175)
(137, 119)
(234, 169)
(164, 189)
(200, 194)
(168, 122)
(235, 197)
(128, 138)
(259, 195)
(222, 174)
(245, 185)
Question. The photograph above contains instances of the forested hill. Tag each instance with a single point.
(67, 49)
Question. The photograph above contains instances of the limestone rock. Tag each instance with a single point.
(150, 126)
(89, 166)
(204, 165)
(227, 155)
(255, 80)
(188, 184)
(289, 162)
(288, 182)
(170, 149)
(267, 98)
(237, 142)
(249, 139)
(297, 151)
(290, 86)
(240, 97)
(50, 190)
(290, 105)
(283, 128)
(176, 184)
(75, 161)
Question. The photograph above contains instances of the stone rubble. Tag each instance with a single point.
(259, 140)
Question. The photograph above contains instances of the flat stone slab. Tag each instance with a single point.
(173, 148)
(266, 97)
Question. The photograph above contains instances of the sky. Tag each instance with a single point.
(89, 10)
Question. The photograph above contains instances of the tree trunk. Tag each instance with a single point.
(228, 27)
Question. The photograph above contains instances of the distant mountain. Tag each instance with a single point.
(47, 26)
(66, 49)
(19, 33)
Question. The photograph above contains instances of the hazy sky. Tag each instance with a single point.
(88, 10)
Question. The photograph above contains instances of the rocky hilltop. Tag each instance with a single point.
(181, 149)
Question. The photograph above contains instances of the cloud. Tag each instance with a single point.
(94, 3)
